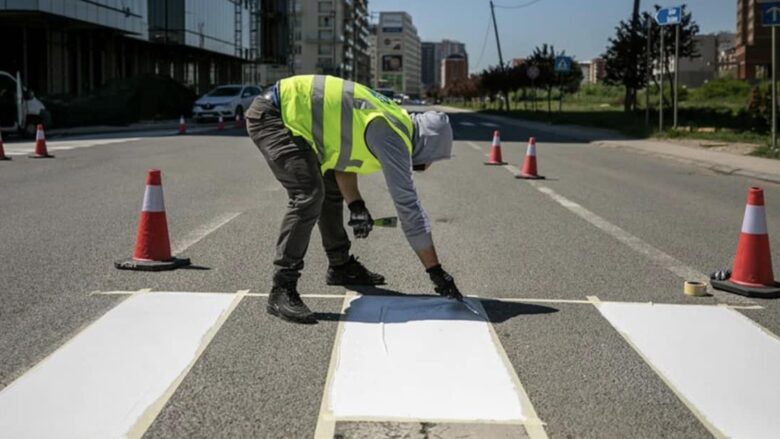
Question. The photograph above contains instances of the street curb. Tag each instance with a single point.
(571, 132)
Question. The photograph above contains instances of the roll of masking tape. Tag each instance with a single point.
(695, 288)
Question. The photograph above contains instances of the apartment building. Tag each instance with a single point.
(398, 54)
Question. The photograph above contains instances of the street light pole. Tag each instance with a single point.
(676, 69)
(774, 91)
(661, 85)
(648, 73)
(498, 45)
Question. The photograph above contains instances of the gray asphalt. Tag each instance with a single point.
(64, 221)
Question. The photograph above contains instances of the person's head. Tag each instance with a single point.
(432, 139)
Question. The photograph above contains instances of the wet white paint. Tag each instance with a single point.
(420, 358)
(100, 382)
(720, 362)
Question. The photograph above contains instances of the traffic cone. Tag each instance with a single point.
(152, 246)
(238, 121)
(752, 272)
(182, 125)
(2, 151)
(221, 123)
(529, 164)
(495, 151)
(40, 145)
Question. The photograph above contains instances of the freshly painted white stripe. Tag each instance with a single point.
(664, 260)
(203, 231)
(717, 361)
(100, 382)
(754, 221)
(531, 151)
(153, 199)
(420, 358)
(488, 124)
(23, 148)
(467, 124)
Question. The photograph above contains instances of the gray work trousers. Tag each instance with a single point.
(313, 197)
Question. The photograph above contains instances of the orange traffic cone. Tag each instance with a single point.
(495, 151)
(529, 164)
(40, 145)
(238, 121)
(752, 272)
(2, 151)
(221, 123)
(152, 246)
(182, 125)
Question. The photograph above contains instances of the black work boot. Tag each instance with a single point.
(353, 273)
(286, 303)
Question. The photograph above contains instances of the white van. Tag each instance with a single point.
(20, 110)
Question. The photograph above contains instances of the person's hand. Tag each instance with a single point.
(359, 219)
(445, 284)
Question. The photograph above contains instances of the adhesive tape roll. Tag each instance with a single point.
(695, 288)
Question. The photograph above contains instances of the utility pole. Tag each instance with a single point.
(676, 69)
(498, 45)
(774, 92)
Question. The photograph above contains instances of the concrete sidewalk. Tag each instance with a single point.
(722, 162)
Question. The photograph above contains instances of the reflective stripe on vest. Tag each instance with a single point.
(332, 115)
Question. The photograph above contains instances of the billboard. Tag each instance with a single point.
(392, 63)
(392, 44)
(392, 22)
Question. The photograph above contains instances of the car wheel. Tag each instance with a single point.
(239, 112)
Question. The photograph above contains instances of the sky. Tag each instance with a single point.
(580, 27)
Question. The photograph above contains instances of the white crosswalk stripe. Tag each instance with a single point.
(26, 148)
(114, 377)
(467, 124)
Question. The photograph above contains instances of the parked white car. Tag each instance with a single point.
(20, 110)
(226, 101)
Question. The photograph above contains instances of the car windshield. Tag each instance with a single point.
(225, 91)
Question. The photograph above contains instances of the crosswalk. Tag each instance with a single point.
(114, 377)
(27, 148)
(472, 124)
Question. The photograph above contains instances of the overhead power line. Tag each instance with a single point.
(526, 4)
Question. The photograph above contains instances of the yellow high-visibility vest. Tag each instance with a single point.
(332, 114)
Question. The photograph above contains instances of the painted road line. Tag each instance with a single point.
(415, 359)
(19, 149)
(103, 382)
(664, 260)
(204, 230)
(474, 146)
(718, 362)
(467, 124)
(489, 124)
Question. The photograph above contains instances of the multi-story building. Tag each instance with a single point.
(753, 42)
(398, 54)
(73, 46)
(331, 37)
(598, 69)
(727, 53)
(454, 68)
(428, 65)
(433, 53)
(585, 69)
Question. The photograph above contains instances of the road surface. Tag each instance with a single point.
(583, 330)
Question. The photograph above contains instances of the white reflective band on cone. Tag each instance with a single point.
(531, 150)
(39, 135)
(153, 199)
(754, 221)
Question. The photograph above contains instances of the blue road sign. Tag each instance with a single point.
(669, 16)
(770, 14)
(562, 64)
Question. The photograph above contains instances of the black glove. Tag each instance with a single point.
(359, 219)
(445, 284)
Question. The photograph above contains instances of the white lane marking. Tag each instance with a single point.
(664, 260)
(474, 146)
(467, 124)
(99, 383)
(719, 362)
(26, 148)
(204, 230)
(435, 358)
(489, 124)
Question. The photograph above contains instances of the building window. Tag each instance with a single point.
(324, 50)
(325, 21)
(326, 6)
(297, 49)
(325, 35)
